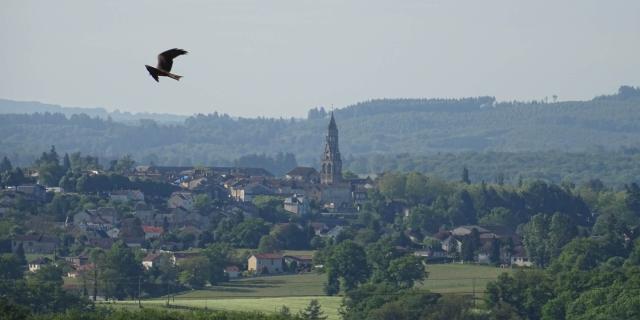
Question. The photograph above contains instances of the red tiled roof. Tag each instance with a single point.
(86, 267)
(232, 269)
(302, 171)
(152, 229)
(151, 257)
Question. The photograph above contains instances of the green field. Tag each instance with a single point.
(269, 293)
(308, 284)
(460, 278)
(329, 305)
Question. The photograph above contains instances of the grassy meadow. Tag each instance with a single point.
(460, 278)
(330, 305)
(269, 293)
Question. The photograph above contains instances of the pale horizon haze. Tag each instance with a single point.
(281, 58)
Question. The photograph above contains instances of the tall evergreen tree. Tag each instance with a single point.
(66, 163)
(5, 165)
(465, 176)
(22, 258)
(313, 311)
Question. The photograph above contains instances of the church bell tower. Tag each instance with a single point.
(331, 171)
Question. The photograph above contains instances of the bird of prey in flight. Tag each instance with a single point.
(165, 61)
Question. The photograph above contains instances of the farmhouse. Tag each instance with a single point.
(300, 262)
(265, 263)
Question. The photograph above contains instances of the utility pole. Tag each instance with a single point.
(167, 293)
(473, 281)
(95, 283)
(139, 291)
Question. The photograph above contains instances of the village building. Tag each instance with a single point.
(297, 204)
(265, 263)
(145, 216)
(103, 218)
(301, 262)
(178, 257)
(40, 244)
(232, 272)
(303, 174)
(151, 232)
(126, 196)
(519, 258)
(76, 261)
(38, 263)
(246, 192)
(149, 260)
(181, 199)
(34, 191)
(113, 233)
(81, 270)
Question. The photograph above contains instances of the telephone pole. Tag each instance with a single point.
(139, 291)
(474, 292)
(95, 283)
(167, 293)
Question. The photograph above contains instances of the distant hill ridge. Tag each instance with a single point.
(376, 127)
(31, 107)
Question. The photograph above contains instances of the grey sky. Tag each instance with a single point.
(280, 58)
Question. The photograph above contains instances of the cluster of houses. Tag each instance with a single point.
(257, 264)
(451, 242)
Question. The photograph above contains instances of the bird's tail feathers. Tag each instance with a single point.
(174, 76)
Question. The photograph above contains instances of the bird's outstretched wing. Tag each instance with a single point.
(165, 59)
(153, 72)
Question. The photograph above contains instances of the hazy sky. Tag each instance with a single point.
(280, 58)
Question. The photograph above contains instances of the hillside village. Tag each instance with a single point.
(174, 225)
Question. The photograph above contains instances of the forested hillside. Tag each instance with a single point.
(388, 127)
(611, 167)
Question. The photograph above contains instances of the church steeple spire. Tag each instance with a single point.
(332, 122)
(331, 171)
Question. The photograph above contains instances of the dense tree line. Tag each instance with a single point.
(592, 278)
(38, 292)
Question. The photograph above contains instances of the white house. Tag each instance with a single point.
(519, 258)
(38, 263)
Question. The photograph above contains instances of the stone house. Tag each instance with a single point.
(297, 204)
